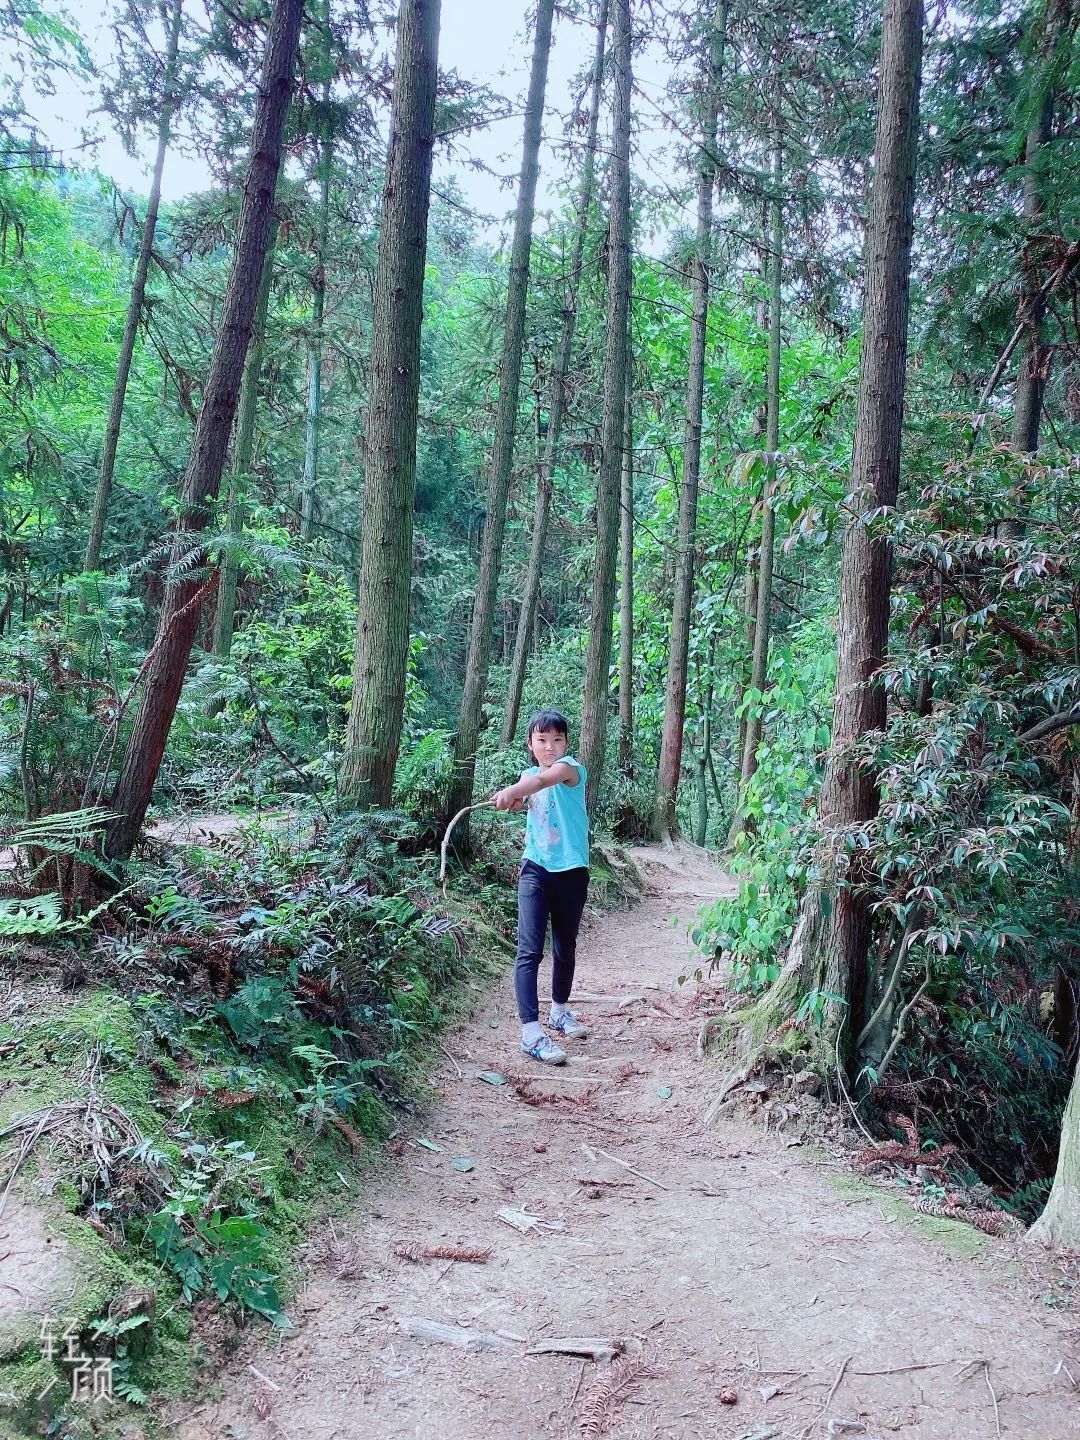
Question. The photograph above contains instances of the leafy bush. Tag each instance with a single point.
(208, 1249)
(751, 931)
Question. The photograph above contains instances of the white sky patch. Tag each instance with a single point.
(486, 41)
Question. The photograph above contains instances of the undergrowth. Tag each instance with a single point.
(969, 1022)
(258, 1012)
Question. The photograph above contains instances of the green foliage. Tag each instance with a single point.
(250, 1099)
(297, 971)
(206, 1249)
(423, 773)
(43, 916)
(259, 1008)
(330, 1092)
(40, 915)
(971, 847)
(969, 858)
(752, 930)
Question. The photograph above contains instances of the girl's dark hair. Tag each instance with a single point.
(547, 720)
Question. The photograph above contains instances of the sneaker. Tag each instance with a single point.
(545, 1050)
(569, 1025)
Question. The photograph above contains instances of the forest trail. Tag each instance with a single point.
(736, 1267)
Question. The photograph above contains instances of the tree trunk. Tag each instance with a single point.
(243, 453)
(742, 679)
(626, 592)
(164, 667)
(1059, 1224)
(701, 799)
(759, 668)
(703, 770)
(502, 455)
(742, 682)
(556, 400)
(313, 419)
(834, 938)
(1035, 355)
(598, 655)
(1031, 380)
(382, 630)
(665, 822)
(103, 496)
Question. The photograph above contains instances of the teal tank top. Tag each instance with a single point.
(557, 828)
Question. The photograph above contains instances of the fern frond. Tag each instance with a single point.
(61, 829)
(39, 915)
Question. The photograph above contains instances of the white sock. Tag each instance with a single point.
(531, 1032)
(557, 1011)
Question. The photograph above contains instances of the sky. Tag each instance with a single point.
(487, 41)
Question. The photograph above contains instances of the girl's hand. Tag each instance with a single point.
(507, 799)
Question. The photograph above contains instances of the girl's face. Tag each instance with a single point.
(548, 747)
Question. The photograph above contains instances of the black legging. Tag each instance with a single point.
(558, 895)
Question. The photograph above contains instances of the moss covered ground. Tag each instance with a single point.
(960, 1240)
(261, 1024)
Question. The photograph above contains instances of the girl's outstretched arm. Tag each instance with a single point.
(514, 796)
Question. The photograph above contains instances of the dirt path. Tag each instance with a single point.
(736, 1268)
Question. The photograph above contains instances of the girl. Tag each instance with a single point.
(554, 880)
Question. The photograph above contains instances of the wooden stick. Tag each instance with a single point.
(993, 1397)
(621, 1000)
(577, 1387)
(594, 1347)
(421, 1328)
(828, 1399)
(446, 838)
(450, 1057)
(903, 1369)
(836, 1383)
(592, 1153)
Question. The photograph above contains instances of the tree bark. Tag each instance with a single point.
(1059, 1224)
(1031, 380)
(665, 821)
(741, 685)
(759, 667)
(598, 655)
(701, 799)
(165, 666)
(1035, 355)
(703, 760)
(103, 496)
(626, 591)
(556, 404)
(313, 414)
(834, 938)
(381, 657)
(502, 455)
(243, 453)
(742, 680)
